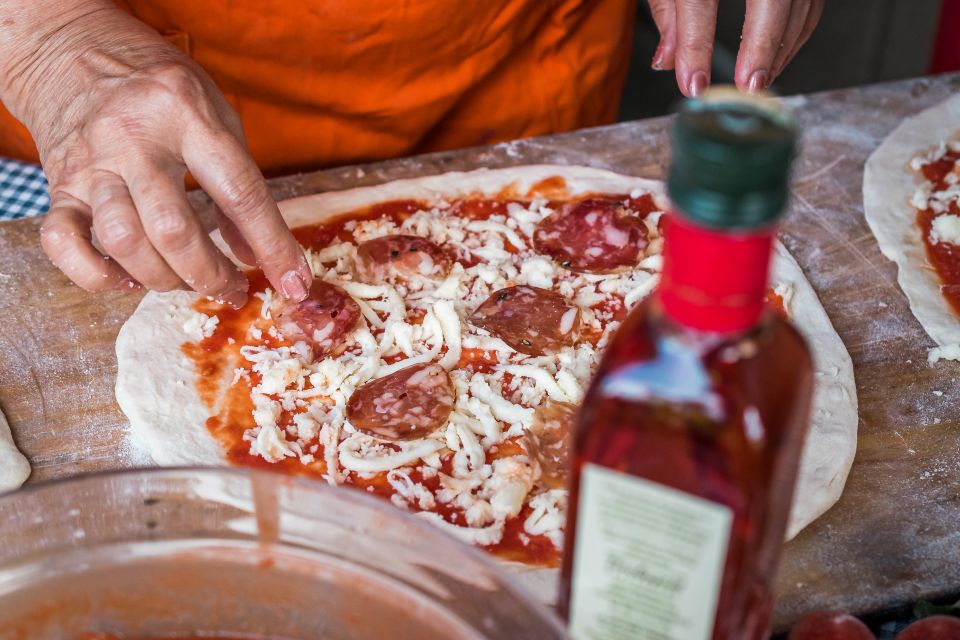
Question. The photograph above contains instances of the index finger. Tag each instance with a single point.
(225, 170)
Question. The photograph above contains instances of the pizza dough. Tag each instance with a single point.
(888, 185)
(14, 468)
(832, 440)
(155, 382)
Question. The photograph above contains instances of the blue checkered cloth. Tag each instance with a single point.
(23, 190)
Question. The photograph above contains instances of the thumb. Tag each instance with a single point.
(664, 14)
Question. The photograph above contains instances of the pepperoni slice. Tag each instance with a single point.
(592, 235)
(407, 404)
(531, 320)
(321, 320)
(400, 256)
(548, 442)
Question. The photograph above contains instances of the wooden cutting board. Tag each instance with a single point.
(894, 536)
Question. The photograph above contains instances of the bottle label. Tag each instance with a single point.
(648, 560)
(714, 279)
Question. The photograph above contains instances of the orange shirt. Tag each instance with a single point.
(327, 82)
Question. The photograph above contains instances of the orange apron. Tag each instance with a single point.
(327, 82)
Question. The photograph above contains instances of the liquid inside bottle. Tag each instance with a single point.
(719, 417)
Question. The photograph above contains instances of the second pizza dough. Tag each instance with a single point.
(888, 185)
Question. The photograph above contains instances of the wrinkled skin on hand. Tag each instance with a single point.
(119, 116)
(773, 33)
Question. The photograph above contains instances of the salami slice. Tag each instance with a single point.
(548, 442)
(322, 320)
(407, 404)
(400, 256)
(593, 235)
(531, 320)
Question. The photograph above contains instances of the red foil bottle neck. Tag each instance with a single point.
(714, 280)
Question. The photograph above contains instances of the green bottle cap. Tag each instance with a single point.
(731, 159)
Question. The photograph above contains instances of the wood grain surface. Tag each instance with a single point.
(894, 537)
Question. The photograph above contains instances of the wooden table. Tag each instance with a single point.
(894, 537)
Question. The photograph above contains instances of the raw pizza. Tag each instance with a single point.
(450, 332)
(911, 195)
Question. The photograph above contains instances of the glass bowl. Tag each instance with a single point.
(237, 552)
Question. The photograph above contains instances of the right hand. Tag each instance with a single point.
(119, 116)
(773, 33)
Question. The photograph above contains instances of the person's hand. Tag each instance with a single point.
(773, 32)
(119, 117)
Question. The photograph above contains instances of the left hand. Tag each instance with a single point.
(773, 32)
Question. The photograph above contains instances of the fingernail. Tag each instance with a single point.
(657, 63)
(236, 299)
(293, 287)
(129, 284)
(758, 81)
(698, 83)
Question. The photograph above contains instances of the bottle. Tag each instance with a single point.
(686, 449)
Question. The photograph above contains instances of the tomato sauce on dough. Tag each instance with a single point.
(214, 356)
(944, 257)
(219, 354)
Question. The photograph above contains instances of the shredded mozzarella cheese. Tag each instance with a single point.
(483, 536)
(424, 320)
(363, 453)
(945, 228)
(199, 325)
